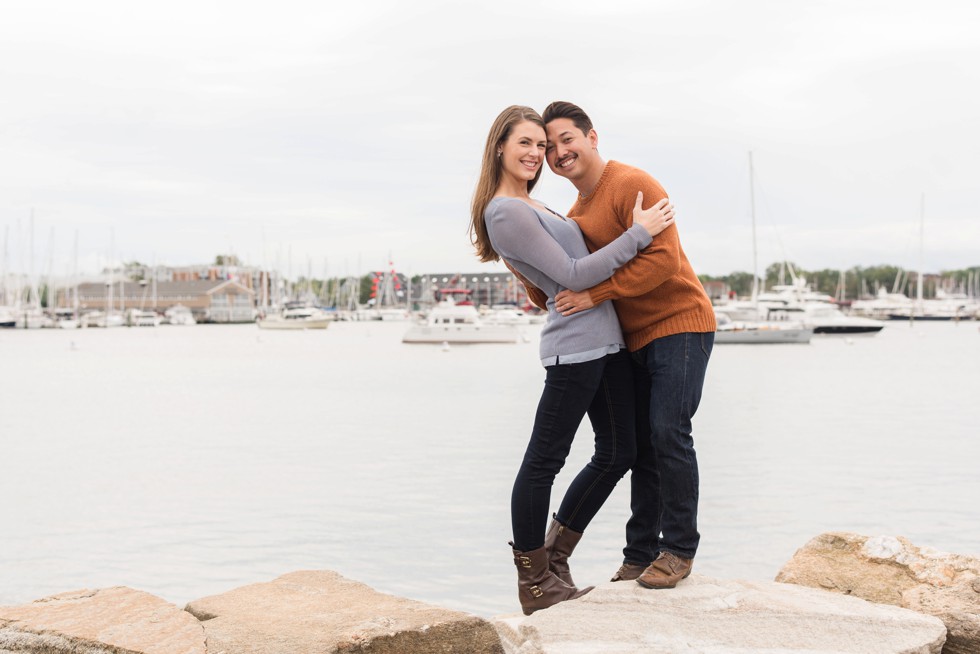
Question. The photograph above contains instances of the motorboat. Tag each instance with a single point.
(101, 319)
(504, 314)
(798, 303)
(296, 318)
(882, 306)
(140, 318)
(827, 319)
(33, 319)
(8, 319)
(760, 332)
(179, 315)
(65, 318)
(448, 322)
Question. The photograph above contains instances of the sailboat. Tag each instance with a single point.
(944, 306)
(755, 330)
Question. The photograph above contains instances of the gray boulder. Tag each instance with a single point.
(323, 612)
(106, 621)
(713, 616)
(892, 570)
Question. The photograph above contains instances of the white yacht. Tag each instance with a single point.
(33, 319)
(179, 315)
(448, 322)
(139, 318)
(796, 302)
(504, 314)
(760, 332)
(102, 319)
(883, 306)
(296, 318)
(827, 319)
(65, 318)
(7, 318)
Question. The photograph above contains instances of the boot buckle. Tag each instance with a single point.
(536, 592)
(525, 561)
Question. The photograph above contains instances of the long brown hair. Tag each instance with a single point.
(490, 175)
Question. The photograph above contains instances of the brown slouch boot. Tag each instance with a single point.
(537, 586)
(560, 541)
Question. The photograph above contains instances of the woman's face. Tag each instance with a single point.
(522, 154)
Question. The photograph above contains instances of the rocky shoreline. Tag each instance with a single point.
(839, 593)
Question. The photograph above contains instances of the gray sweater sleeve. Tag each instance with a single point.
(517, 234)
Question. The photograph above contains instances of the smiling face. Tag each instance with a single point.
(572, 153)
(522, 154)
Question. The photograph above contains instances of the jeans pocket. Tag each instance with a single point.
(707, 343)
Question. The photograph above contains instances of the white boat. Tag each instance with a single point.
(945, 306)
(882, 306)
(101, 319)
(448, 322)
(796, 302)
(33, 319)
(8, 320)
(827, 319)
(179, 315)
(769, 332)
(139, 318)
(296, 318)
(65, 319)
(502, 314)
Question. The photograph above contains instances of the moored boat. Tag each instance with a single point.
(448, 322)
(760, 332)
(296, 318)
(179, 315)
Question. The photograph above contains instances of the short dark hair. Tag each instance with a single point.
(571, 111)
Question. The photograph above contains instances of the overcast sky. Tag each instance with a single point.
(327, 136)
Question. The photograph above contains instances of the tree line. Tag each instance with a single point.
(858, 281)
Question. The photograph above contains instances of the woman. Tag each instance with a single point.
(586, 362)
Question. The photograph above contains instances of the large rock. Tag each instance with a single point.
(106, 621)
(712, 616)
(894, 571)
(323, 612)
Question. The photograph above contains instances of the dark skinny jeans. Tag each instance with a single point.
(604, 389)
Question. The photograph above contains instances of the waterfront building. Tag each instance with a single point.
(218, 300)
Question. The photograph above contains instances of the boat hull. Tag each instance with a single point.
(764, 336)
(846, 329)
(298, 324)
(468, 334)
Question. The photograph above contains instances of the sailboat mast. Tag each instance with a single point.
(755, 256)
(922, 232)
(74, 278)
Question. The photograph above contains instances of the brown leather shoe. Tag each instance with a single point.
(628, 572)
(666, 571)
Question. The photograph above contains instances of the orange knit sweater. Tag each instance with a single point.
(656, 294)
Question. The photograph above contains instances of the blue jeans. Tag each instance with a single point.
(669, 375)
(604, 389)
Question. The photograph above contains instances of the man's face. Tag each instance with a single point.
(570, 153)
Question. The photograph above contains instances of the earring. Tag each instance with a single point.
(499, 152)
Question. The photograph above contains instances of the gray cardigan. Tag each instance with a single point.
(549, 250)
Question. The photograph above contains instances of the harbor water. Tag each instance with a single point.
(187, 461)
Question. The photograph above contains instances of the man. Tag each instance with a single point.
(669, 327)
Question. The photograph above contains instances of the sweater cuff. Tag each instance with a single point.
(601, 292)
(642, 236)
